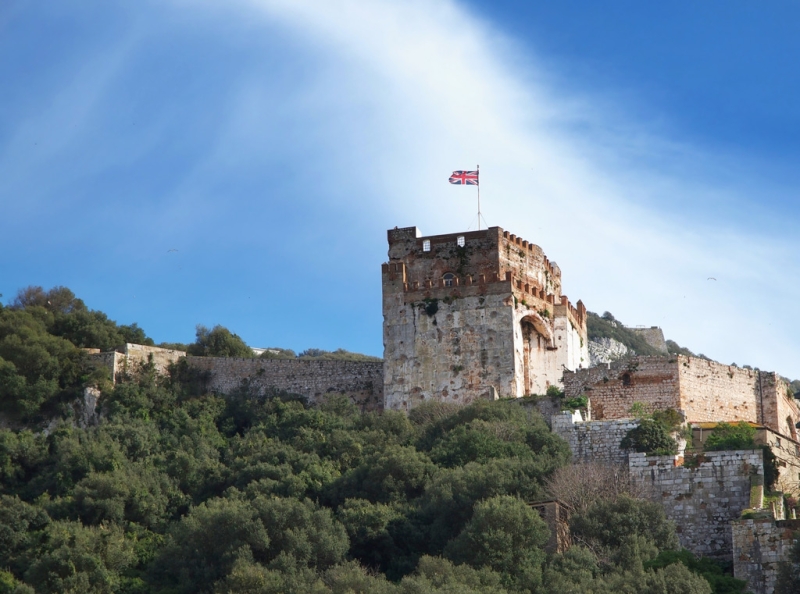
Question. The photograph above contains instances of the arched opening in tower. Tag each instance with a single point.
(536, 338)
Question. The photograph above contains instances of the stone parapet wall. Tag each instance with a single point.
(759, 545)
(711, 391)
(593, 441)
(362, 381)
(702, 500)
(703, 390)
(614, 388)
(130, 358)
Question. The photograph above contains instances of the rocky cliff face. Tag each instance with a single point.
(606, 350)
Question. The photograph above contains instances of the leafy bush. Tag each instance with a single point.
(650, 437)
(218, 342)
(725, 436)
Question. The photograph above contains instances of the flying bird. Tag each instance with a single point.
(172, 250)
(711, 278)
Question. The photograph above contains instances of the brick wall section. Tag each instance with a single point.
(593, 441)
(701, 501)
(759, 545)
(362, 381)
(704, 391)
(614, 387)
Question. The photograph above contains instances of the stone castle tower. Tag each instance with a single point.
(474, 315)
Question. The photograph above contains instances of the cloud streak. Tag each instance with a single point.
(441, 90)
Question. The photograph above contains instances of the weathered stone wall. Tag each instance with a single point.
(498, 325)
(787, 452)
(362, 381)
(711, 391)
(132, 356)
(703, 390)
(781, 411)
(653, 336)
(593, 441)
(759, 545)
(613, 388)
(138, 354)
(702, 501)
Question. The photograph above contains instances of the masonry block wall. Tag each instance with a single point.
(362, 381)
(614, 388)
(131, 357)
(594, 441)
(704, 391)
(759, 545)
(474, 315)
(703, 500)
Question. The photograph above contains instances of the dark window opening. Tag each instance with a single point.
(626, 379)
(449, 279)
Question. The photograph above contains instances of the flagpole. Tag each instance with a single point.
(479, 197)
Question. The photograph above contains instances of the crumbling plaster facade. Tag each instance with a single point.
(474, 315)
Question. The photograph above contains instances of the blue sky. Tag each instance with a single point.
(238, 163)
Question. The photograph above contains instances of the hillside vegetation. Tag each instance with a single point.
(178, 491)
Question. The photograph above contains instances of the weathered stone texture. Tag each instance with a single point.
(701, 501)
(711, 391)
(653, 336)
(614, 388)
(361, 381)
(759, 545)
(704, 391)
(130, 358)
(594, 441)
(474, 315)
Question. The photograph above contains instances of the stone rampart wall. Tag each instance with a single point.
(362, 381)
(759, 545)
(711, 391)
(702, 501)
(139, 354)
(613, 388)
(593, 441)
(703, 390)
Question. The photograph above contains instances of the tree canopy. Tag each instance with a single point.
(179, 491)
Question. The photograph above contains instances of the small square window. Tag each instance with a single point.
(426, 245)
(460, 241)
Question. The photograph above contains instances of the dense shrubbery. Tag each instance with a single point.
(177, 491)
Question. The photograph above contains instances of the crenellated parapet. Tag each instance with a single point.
(472, 314)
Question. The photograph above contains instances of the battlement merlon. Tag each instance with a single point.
(491, 252)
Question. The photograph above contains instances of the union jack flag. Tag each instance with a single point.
(469, 178)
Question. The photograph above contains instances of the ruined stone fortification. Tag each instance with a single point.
(653, 336)
(131, 357)
(474, 315)
(594, 441)
(701, 500)
(361, 381)
(703, 390)
(759, 545)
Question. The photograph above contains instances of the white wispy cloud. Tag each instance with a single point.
(637, 218)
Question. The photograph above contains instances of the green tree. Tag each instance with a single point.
(651, 437)
(75, 558)
(506, 535)
(218, 342)
(624, 528)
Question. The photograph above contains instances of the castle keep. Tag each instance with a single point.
(474, 315)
